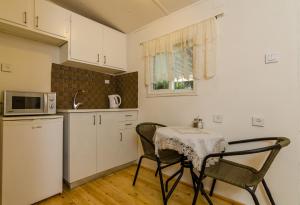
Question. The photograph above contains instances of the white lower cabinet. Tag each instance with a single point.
(128, 141)
(82, 145)
(96, 142)
(108, 138)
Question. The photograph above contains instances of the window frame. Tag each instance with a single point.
(170, 91)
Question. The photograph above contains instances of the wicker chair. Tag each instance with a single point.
(239, 175)
(146, 131)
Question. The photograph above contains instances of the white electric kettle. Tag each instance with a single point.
(114, 101)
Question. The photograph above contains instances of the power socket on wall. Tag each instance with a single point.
(218, 118)
(258, 121)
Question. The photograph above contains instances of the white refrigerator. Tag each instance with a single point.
(31, 158)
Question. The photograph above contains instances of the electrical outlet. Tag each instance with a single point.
(272, 58)
(218, 118)
(106, 82)
(258, 122)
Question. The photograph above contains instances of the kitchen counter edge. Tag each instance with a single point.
(35, 117)
(96, 110)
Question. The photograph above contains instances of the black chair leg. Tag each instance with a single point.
(253, 196)
(156, 172)
(200, 188)
(175, 184)
(212, 187)
(268, 192)
(171, 177)
(193, 179)
(161, 182)
(137, 170)
(205, 195)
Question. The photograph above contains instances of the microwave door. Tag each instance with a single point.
(31, 103)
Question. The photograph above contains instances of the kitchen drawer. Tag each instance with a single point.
(128, 116)
(128, 125)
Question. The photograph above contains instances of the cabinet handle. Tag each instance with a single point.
(37, 21)
(121, 136)
(36, 127)
(128, 115)
(100, 120)
(104, 59)
(128, 124)
(25, 17)
(98, 57)
(94, 119)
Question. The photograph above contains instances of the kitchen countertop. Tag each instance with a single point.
(96, 110)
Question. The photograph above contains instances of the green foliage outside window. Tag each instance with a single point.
(189, 85)
(161, 85)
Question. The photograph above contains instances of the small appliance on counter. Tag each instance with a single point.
(114, 101)
(28, 103)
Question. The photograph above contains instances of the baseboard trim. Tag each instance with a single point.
(98, 175)
(219, 196)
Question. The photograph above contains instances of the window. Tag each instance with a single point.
(176, 61)
(181, 80)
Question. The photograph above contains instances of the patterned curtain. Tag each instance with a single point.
(195, 44)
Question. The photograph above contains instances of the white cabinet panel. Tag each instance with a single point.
(114, 49)
(108, 141)
(128, 149)
(51, 18)
(31, 160)
(85, 40)
(16, 11)
(82, 145)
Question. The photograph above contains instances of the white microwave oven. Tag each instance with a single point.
(28, 103)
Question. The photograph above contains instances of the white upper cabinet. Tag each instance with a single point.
(16, 11)
(51, 18)
(86, 40)
(114, 49)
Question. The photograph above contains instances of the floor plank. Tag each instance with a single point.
(117, 189)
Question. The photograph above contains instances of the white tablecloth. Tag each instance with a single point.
(194, 143)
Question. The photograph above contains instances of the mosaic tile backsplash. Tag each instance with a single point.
(65, 81)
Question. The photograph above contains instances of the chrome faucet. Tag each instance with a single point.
(75, 104)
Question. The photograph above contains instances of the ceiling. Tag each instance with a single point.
(124, 15)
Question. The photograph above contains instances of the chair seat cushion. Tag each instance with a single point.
(233, 173)
(166, 156)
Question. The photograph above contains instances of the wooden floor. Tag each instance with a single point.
(117, 189)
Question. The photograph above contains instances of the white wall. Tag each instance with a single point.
(31, 63)
(244, 86)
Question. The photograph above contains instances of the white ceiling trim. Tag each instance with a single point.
(161, 6)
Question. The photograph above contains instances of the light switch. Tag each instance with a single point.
(218, 118)
(272, 58)
(258, 122)
(7, 68)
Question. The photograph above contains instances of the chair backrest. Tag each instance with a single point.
(146, 131)
(280, 143)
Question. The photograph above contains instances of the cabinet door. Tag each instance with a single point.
(51, 18)
(108, 141)
(31, 161)
(15, 11)
(128, 149)
(114, 49)
(83, 145)
(86, 40)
